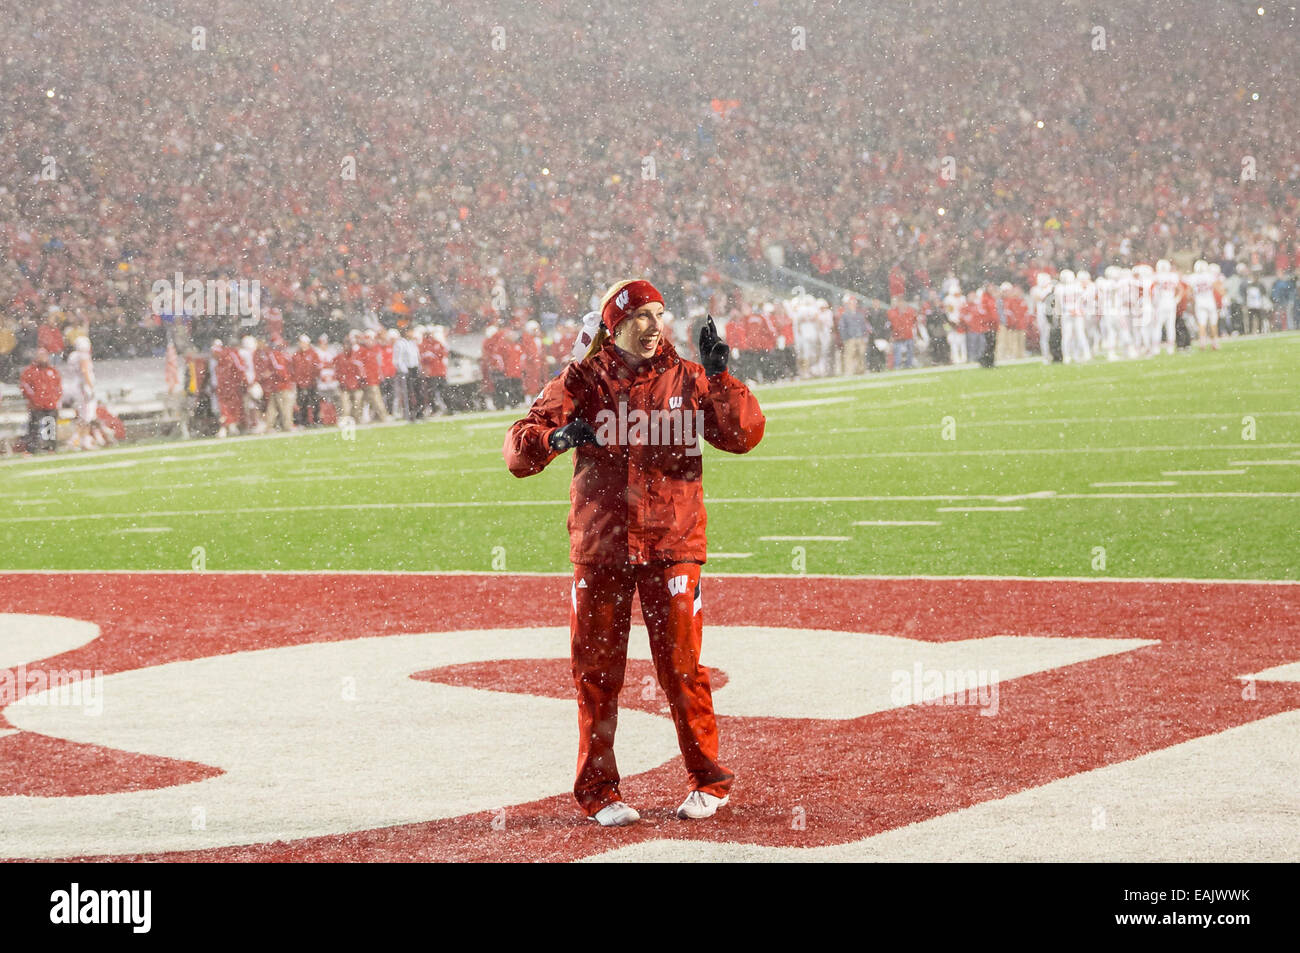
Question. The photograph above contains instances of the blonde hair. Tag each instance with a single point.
(602, 333)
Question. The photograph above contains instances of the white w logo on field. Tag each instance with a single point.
(621, 301)
(677, 585)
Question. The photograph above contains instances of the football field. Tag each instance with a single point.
(1033, 613)
(1174, 467)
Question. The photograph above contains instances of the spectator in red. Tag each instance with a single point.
(43, 388)
(534, 360)
(231, 383)
(305, 367)
(784, 325)
(897, 283)
(1017, 314)
(276, 379)
(350, 373)
(902, 325)
(512, 367)
(734, 335)
(433, 370)
(560, 350)
(50, 337)
(372, 359)
(387, 366)
(492, 365)
(760, 335)
(972, 319)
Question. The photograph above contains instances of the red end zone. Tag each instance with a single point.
(858, 777)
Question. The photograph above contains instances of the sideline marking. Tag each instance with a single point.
(55, 471)
(1139, 483)
(568, 574)
(1200, 473)
(811, 539)
(979, 509)
(144, 529)
(729, 555)
(898, 523)
(1264, 463)
(1037, 495)
(1007, 451)
(811, 402)
(459, 504)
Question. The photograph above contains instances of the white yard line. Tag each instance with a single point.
(730, 555)
(145, 529)
(568, 574)
(1007, 451)
(1200, 473)
(811, 402)
(193, 456)
(1138, 483)
(809, 539)
(1032, 421)
(978, 509)
(80, 468)
(898, 523)
(1264, 463)
(462, 504)
(252, 440)
(1189, 495)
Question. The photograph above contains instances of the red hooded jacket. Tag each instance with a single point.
(306, 366)
(272, 366)
(433, 357)
(42, 386)
(637, 497)
(350, 368)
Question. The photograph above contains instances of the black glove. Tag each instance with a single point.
(713, 350)
(573, 434)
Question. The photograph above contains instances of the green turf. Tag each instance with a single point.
(322, 502)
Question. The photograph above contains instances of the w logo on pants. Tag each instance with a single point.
(677, 585)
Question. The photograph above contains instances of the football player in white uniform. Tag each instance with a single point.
(1038, 296)
(1091, 312)
(1164, 294)
(1143, 309)
(953, 302)
(1201, 281)
(83, 389)
(1069, 305)
(1108, 304)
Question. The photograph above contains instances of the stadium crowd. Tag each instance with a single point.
(427, 164)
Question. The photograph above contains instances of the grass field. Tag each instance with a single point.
(874, 475)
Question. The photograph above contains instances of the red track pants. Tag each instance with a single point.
(598, 626)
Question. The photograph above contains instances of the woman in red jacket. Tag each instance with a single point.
(634, 412)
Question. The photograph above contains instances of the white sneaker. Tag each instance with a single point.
(699, 805)
(616, 814)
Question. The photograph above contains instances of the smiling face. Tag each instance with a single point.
(639, 334)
